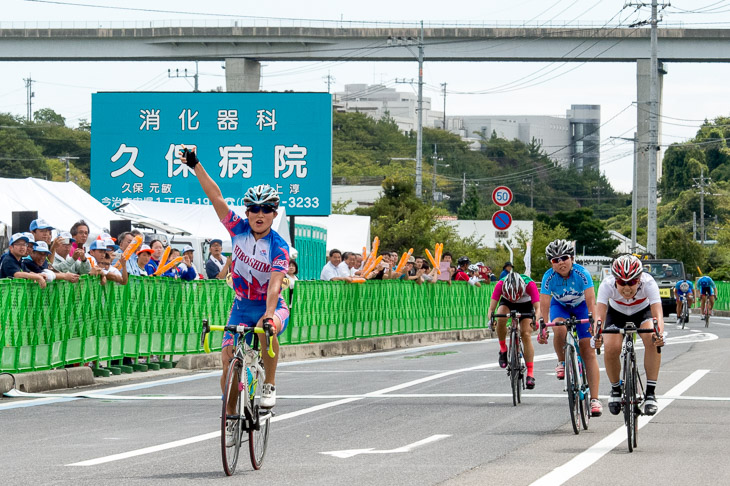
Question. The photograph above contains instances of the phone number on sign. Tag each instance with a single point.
(301, 202)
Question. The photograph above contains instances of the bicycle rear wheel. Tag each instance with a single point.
(514, 366)
(629, 402)
(570, 386)
(232, 395)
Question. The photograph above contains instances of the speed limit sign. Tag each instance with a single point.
(502, 196)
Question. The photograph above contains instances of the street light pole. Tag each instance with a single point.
(419, 136)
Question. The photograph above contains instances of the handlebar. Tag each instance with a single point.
(571, 322)
(516, 315)
(631, 328)
(242, 329)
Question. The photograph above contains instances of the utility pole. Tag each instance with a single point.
(443, 85)
(651, 232)
(65, 160)
(532, 188)
(329, 79)
(702, 183)
(419, 136)
(694, 225)
(29, 97)
(186, 75)
(634, 196)
(435, 164)
(463, 189)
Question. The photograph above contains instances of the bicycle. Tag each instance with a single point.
(633, 389)
(516, 367)
(576, 378)
(248, 417)
(706, 310)
(683, 317)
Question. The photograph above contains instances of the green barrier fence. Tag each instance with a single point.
(311, 243)
(77, 323)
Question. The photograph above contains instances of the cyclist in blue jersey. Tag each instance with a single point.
(260, 261)
(684, 288)
(567, 291)
(706, 288)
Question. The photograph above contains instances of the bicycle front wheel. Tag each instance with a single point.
(585, 396)
(572, 389)
(629, 402)
(514, 367)
(258, 436)
(231, 422)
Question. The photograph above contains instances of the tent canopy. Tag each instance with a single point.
(345, 232)
(60, 203)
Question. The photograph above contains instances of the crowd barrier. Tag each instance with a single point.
(68, 323)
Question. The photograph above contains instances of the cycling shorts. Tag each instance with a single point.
(618, 320)
(248, 312)
(707, 291)
(558, 311)
(520, 307)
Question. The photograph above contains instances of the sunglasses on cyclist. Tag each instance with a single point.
(261, 209)
(559, 259)
(628, 283)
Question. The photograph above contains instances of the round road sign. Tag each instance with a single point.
(501, 220)
(502, 196)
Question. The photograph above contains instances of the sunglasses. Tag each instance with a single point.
(261, 209)
(559, 259)
(628, 283)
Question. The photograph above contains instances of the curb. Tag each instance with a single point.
(715, 312)
(39, 381)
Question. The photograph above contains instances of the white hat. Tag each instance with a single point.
(41, 247)
(17, 237)
(188, 248)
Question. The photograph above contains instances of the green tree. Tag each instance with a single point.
(58, 173)
(471, 206)
(19, 156)
(589, 232)
(542, 234)
(48, 116)
(673, 242)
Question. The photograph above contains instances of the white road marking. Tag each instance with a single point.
(583, 460)
(407, 448)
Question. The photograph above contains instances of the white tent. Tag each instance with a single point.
(60, 203)
(195, 219)
(346, 232)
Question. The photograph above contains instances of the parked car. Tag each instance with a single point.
(667, 273)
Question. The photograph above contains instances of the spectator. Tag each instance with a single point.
(142, 257)
(418, 263)
(41, 230)
(485, 273)
(111, 273)
(12, 267)
(426, 273)
(474, 275)
(187, 269)
(80, 233)
(215, 266)
(447, 269)
(349, 265)
(382, 270)
(37, 263)
(506, 269)
(291, 274)
(332, 270)
(358, 260)
(154, 262)
(62, 261)
(97, 253)
(461, 274)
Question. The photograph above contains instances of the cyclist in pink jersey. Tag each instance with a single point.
(513, 293)
(259, 265)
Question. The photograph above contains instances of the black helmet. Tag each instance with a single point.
(463, 261)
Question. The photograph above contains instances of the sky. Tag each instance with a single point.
(692, 93)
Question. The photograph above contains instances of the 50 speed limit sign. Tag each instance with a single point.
(502, 196)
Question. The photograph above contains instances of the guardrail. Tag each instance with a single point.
(77, 323)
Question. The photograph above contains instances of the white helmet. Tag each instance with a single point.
(263, 195)
(513, 287)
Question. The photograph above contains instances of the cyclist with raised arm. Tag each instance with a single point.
(630, 295)
(567, 291)
(260, 262)
(516, 292)
(706, 288)
(684, 288)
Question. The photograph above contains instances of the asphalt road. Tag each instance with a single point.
(432, 415)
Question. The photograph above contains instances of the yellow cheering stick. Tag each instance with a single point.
(164, 268)
(364, 253)
(403, 261)
(433, 260)
(369, 269)
(136, 242)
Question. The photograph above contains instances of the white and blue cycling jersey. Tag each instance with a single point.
(683, 288)
(706, 285)
(568, 292)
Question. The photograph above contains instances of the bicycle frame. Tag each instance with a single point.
(515, 362)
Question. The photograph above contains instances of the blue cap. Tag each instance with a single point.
(216, 240)
(39, 223)
(98, 245)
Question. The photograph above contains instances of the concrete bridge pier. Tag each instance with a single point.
(643, 77)
(242, 74)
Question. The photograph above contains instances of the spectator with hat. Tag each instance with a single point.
(41, 230)
(12, 267)
(187, 269)
(97, 252)
(136, 266)
(38, 263)
(462, 274)
(62, 260)
(216, 267)
(506, 269)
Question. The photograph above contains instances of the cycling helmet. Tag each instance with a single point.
(463, 261)
(513, 287)
(262, 194)
(473, 267)
(559, 248)
(626, 267)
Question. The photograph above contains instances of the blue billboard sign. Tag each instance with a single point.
(242, 140)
